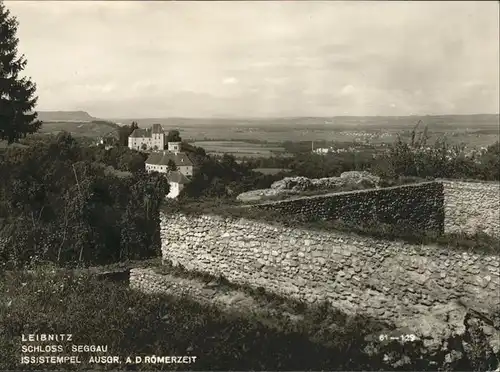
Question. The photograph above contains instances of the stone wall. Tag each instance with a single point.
(413, 207)
(472, 207)
(389, 280)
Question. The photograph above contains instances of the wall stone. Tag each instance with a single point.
(472, 207)
(392, 281)
(415, 207)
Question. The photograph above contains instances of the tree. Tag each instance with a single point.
(171, 165)
(125, 132)
(174, 136)
(489, 163)
(17, 94)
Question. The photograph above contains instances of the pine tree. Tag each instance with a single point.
(17, 94)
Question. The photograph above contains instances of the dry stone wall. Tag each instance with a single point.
(472, 207)
(389, 280)
(417, 207)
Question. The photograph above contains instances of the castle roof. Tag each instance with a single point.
(163, 157)
(177, 177)
(140, 133)
(147, 132)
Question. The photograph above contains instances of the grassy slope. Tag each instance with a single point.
(131, 323)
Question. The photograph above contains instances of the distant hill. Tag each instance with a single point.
(96, 128)
(78, 123)
(68, 116)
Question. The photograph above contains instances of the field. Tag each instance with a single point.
(262, 137)
(239, 148)
(474, 130)
(234, 140)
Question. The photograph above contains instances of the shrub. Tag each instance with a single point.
(59, 203)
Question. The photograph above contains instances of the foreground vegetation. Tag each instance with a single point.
(135, 324)
(65, 203)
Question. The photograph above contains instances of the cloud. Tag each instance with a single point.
(276, 80)
(230, 80)
(348, 90)
(266, 58)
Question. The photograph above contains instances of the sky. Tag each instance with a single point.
(144, 59)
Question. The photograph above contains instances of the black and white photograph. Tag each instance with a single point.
(249, 185)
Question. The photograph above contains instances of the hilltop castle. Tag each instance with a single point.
(153, 138)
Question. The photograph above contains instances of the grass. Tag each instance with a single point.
(132, 323)
(119, 266)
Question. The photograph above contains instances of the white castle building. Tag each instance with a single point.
(148, 139)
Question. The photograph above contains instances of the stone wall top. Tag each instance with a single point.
(471, 181)
(416, 207)
(338, 193)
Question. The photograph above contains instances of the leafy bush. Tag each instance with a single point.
(417, 158)
(59, 203)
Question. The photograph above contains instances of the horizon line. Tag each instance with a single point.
(273, 117)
